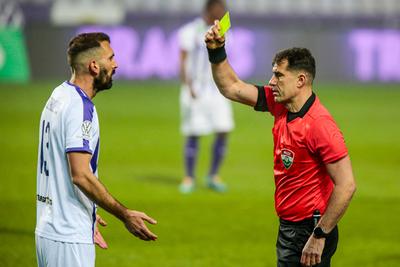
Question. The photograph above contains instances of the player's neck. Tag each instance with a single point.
(298, 101)
(85, 83)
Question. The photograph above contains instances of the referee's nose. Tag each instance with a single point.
(272, 81)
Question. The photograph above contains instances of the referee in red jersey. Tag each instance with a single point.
(312, 169)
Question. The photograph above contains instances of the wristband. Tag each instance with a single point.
(217, 55)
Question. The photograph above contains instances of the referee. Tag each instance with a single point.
(312, 169)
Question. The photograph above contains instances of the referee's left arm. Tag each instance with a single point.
(342, 175)
(345, 186)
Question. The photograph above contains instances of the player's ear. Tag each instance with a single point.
(94, 67)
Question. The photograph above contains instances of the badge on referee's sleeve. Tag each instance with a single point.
(287, 157)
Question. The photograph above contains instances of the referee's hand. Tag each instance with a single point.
(212, 38)
(312, 251)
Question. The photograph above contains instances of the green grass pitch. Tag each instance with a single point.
(141, 165)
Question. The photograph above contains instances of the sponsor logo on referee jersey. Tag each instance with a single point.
(86, 130)
(287, 157)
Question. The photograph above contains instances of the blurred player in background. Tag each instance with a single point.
(313, 174)
(68, 189)
(203, 109)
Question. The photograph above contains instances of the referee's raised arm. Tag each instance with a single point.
(224, 76)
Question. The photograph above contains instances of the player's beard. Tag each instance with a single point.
(103, 81)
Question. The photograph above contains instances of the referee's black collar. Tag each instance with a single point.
(293, 115)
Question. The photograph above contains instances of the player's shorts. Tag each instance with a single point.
(207, 113)
(51, 253)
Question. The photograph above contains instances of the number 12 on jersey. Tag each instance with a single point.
(44, 147)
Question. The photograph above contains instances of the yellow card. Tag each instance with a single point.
(225, 24)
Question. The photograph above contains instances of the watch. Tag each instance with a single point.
(319, 233)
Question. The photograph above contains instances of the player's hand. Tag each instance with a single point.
(134, 222)
(98, 238)
(312, 251)
(212, 38)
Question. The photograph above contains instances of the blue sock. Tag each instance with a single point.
(219, 149)
(191, 149)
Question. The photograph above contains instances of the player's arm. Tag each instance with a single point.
(345, 186)
(183, 72)
(224, 76)
(83, 177)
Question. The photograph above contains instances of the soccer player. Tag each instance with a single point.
(313, 174)
(203, 109)
(68, 189)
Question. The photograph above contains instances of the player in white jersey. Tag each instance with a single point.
(67, 185)
(203, 109)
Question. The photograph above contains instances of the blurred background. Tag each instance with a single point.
(357, 47)
(355, 40)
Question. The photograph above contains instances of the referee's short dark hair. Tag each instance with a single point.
(82, 43)
(298, 59)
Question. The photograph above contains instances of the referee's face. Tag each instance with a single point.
(283, 82)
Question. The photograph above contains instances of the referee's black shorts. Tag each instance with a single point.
(292, 238)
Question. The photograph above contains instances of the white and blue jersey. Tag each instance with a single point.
(198, 69)
(68, 123)
(210, 111)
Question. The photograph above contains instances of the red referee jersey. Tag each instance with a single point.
(303, 143)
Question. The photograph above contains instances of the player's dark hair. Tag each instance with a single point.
(83, 42)
(210, 3)
(298, 59)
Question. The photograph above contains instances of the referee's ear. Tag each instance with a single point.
(302, 79)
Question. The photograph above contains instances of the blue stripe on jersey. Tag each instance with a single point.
(94, 220)
(93, 161)
(88, 109)
(79, 149)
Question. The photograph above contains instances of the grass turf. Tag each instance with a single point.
(141, 165)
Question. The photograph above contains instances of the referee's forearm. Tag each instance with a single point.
(338, 203)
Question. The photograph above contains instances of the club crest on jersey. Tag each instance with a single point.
(287, 157)
(86, 129)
